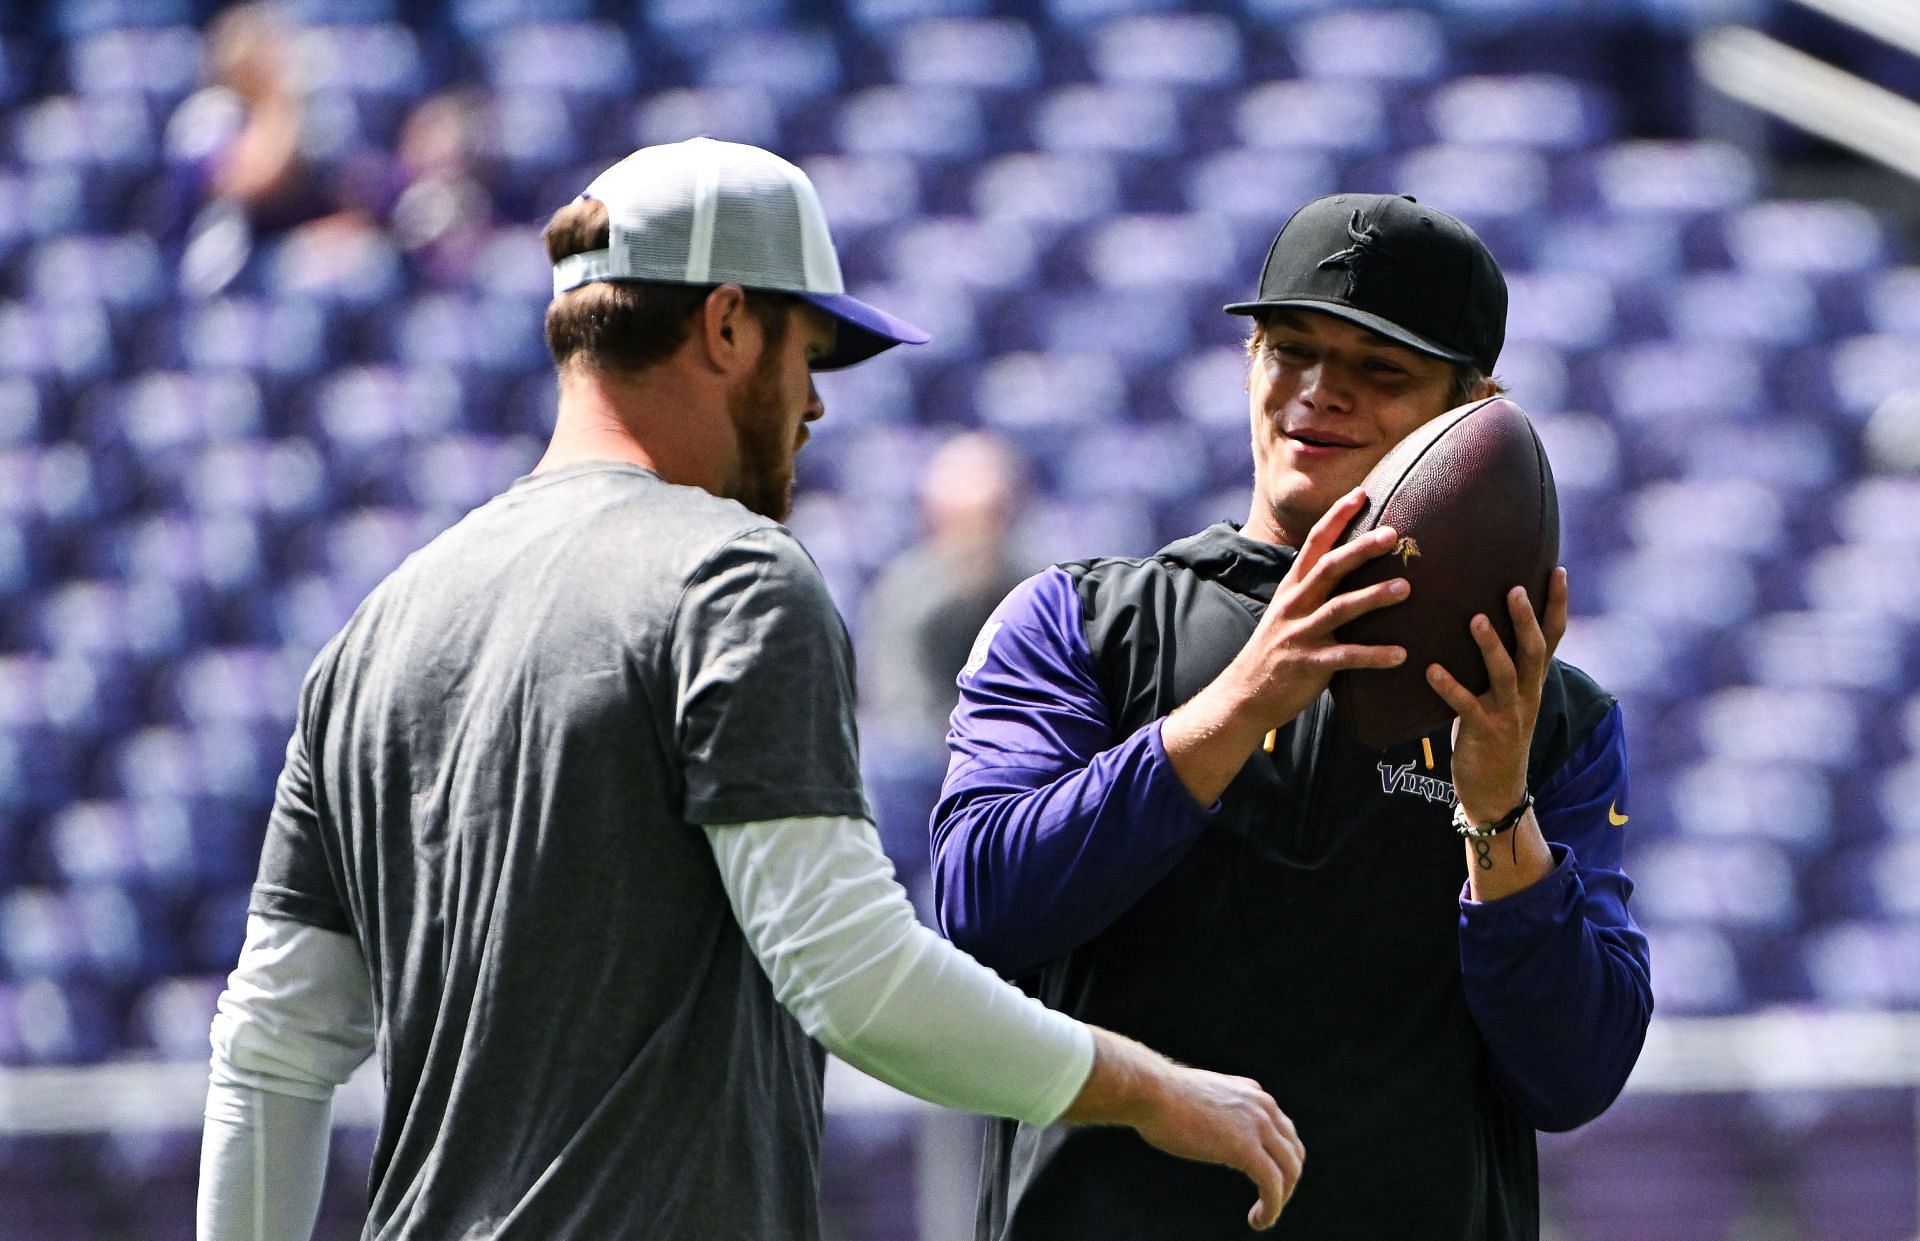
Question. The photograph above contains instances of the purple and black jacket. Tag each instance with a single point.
(1310, 930)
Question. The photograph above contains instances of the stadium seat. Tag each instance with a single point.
(1196, 49)
(1673, 177)
(923, 122)
(1762, 724)
(731, 113)
(1394, 45)
(1532, 110)
(992, 54)
(1134, 119)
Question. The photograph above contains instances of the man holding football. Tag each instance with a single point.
(1153, 818)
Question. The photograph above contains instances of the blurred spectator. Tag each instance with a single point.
(245, 146)
(441, 209)
(922, 616)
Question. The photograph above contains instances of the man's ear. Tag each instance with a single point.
(727, 333)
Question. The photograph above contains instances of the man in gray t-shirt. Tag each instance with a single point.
(571, 829)
(493, 775)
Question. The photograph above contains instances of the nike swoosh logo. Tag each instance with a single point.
(1614, 816)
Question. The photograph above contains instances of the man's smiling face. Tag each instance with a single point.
(1328, 399)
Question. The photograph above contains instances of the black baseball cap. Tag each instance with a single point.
(1387, 262)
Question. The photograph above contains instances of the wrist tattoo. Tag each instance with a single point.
(1483, 850)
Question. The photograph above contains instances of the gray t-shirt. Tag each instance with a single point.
(494, 786)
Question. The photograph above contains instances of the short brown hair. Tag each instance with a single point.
(629, 325)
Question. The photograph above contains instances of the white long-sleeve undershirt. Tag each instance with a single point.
(838, 940)
(819, 906)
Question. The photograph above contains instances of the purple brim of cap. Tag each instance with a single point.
(864, 330)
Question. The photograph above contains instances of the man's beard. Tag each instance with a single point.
(765, 484)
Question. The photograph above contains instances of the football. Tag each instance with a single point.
(1471, 496)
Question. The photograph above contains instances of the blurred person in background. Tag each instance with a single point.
(441, 210)
(248, 145)
(921, 618)
(571, 825)
(1154, 819)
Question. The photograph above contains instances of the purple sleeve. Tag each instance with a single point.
(1049, 826)
(1557, 974)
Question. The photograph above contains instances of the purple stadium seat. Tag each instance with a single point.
(1898, 794)
(1140, 328)
(376, 59)
(110, 131)
(480, 16)
(371, 407)
(1584, 449)
(1893, 302)
(448, 334)
(200, 410)
(1715, 516)
(1867, 370)
(1865, 964)
(956, 250)
(285, 477)
(1198, 49)
(106, 618)
(1625, 250)
(1674, 177)
(1739, 884)
(923, 122)
(535, 132)
(1044, 189)
(67, 339)
(1480, 184)
(1054, 530)
(1535, 110)
(587, 59)
(1135, 119)
(1879, 511)
(135, 842)
(455, 473)
(121, 270)
(1571, 310)
(1789, 803)
(690, 22)
(1793, 456)
(1626, 653)
(991, 54)
(1401, 45)
(238, 685)
(861, 191)
(1850, 649)
(1832, 238)
(1771, 724)
(1771, 308)
(174, 1015)
(731, 113)
(1026, 391)
(1143, 465)
(1684, 382)
(1159, 253)
(1254, 186)
(1698, 971)
(1336, 115)
(795, 63)
(251, 334)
